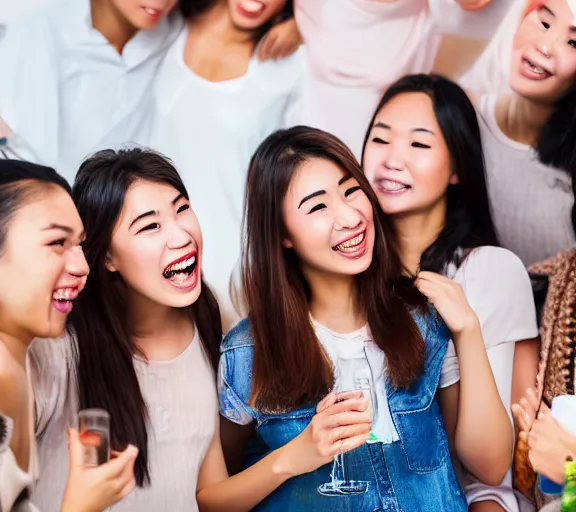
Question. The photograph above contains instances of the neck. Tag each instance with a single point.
(111, 24)
(522, 119)
(160, 332)
(334, 302)
(417, 232)
(17, 346)
(217, 24)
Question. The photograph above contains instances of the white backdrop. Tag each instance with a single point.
(11, 10)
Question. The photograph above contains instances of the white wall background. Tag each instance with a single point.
(11, 10)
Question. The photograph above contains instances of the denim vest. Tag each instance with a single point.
(412, 475)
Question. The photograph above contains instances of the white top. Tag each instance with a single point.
(531, 202)
(210, 131)
(498, 289)
(183, 409)
(66, 92)
(359, 363)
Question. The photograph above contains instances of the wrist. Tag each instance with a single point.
(283, 466)
(469, 326)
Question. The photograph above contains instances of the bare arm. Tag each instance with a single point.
(338, 428)
(526, 359)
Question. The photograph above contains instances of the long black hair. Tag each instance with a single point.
(468, 219)
(104, 365)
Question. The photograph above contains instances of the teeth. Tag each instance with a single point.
(64, 294)
(182, 265)
(536, 69)
(252, 6)
(352, 243)
(392, 185)
(151, 12)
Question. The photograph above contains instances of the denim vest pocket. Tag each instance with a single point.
(276, 430)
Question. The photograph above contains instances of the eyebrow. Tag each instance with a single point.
(380, 124)
(547, 9)
(143, 215)
(59, 227)
(342, 180)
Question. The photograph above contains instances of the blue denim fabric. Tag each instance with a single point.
(414, 474)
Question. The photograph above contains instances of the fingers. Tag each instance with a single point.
(75, 448)
(351, 443)
(326, 402)
(266, 45)
(345, 432)
(532, 398)
(356, 404)
(521, 417)
(115, 467)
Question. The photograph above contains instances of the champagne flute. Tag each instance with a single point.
(94, 432)
(345, 370)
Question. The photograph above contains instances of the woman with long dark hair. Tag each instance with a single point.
(328, 310)
(215, 102)
(146, 335)
(423, 157)
(42, 271)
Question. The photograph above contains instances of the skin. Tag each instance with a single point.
(221, 42)
(406, 146)
(119, 20)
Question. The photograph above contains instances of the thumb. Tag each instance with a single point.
(75, 448)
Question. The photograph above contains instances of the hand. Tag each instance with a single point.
(280, 41)
(473, 5)
(4, 130)
(338, 427)
(526, 409)
(94, 489)
(549, 447)
(449, 300)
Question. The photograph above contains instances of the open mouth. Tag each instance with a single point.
(352, 244)
(252, 7)
(181, 270)
(153, 13)
(537, 70)
(392, 186)
(62, 299)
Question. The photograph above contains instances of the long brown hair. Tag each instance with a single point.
(105, 349)
(290, 366)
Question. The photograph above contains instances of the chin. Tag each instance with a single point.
(184, 299)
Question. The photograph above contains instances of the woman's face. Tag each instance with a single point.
(252, 14)
(156, 246)
(406, 159)
(144, 14)
(329, 220)
(42, 266)
(543, 67)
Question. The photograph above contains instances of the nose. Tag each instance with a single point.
(394, 159)
(347, 217)
(178, 237)
(545, 44)
(76, 264)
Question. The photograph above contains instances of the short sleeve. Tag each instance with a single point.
(450, 373)
(231, 406)
(497, 287)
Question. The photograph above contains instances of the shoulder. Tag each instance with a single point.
(283, 75)
(13, 384)
(239, 336)
(431, 327)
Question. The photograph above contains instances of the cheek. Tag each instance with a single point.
(566, 68)
(308, 236)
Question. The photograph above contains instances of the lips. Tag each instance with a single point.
(152, 12)
(63, 297)
(389, 186)
(533, 71)
(251, 8)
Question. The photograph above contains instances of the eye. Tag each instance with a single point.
(420, 145)
(351, 190)
(319, 206)
(149, 227)
(60, 242)
(183, 208)
(572, 43)
(378, 140)
(546, 25)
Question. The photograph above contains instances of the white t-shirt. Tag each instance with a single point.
(497, 287)
(210, 130)
(66, 92)
(531, 202)
(359, 363)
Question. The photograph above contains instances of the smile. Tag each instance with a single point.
(62, 299)
(183, 267)
(351, 244)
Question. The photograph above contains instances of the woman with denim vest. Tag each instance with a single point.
(423, 157)
(328, 311)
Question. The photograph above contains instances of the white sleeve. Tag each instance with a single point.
(497, 287)
(450, 368)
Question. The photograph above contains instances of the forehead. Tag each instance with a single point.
(149, 196)
(408, 111)
(47, 205)
(564, 8)
(316, 174)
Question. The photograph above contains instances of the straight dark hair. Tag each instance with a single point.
(191, 9)
(468, 218)
(556, 143)
(290, 366)
(105, 349)
(19, 181)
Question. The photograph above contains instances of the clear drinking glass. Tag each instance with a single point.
(350, 376)
(94, 428)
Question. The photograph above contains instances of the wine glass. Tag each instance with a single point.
(351, 376)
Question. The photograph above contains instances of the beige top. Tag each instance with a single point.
(183, 409)
(13, 479)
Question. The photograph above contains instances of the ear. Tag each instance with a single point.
(287, 243)
(454, 179)
(109, 264)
